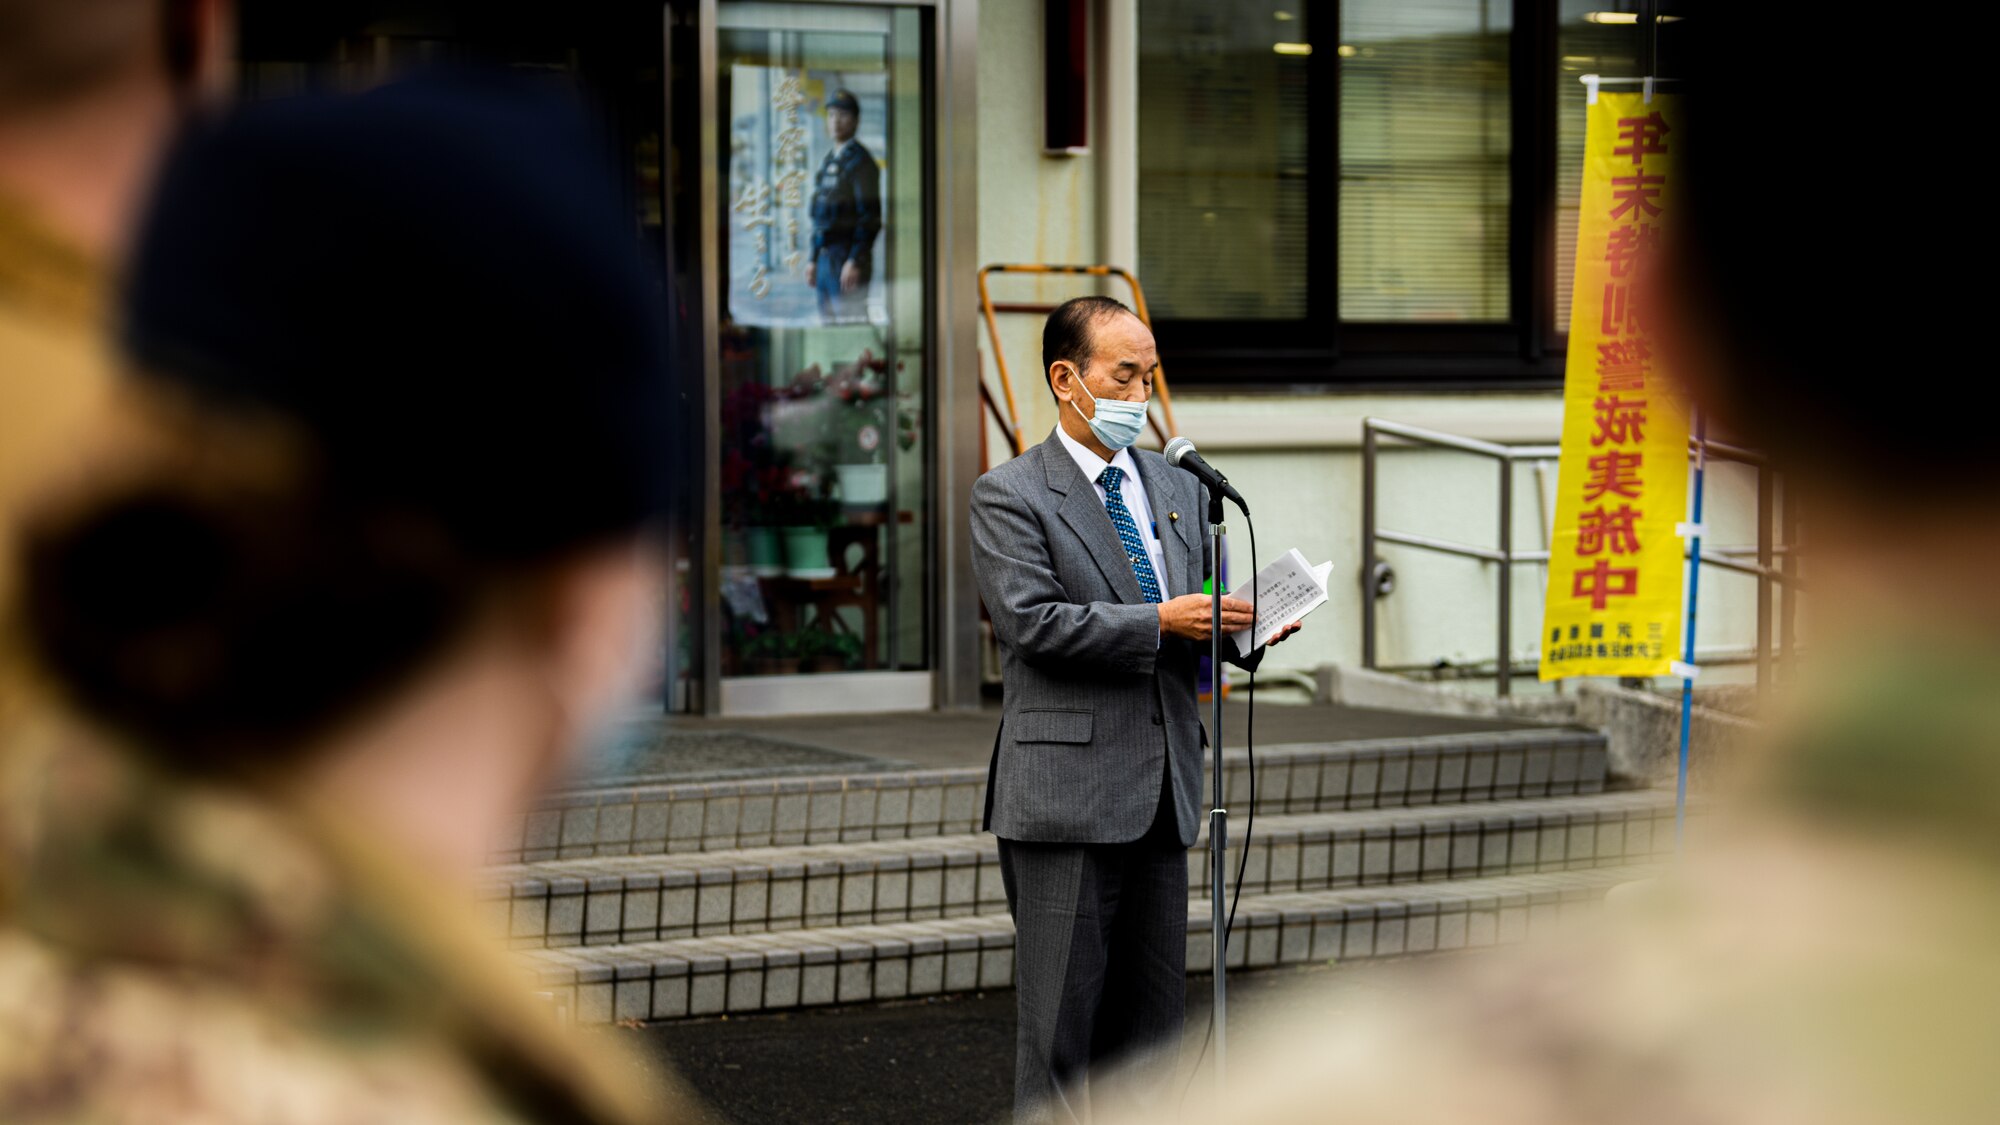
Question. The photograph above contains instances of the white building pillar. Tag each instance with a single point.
(1115, 133)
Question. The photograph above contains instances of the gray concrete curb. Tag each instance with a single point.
(1642, 730)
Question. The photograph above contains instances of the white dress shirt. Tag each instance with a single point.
(1132, 490)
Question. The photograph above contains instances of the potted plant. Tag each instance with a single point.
(828, 650)
(804, 514)
(856, 430)
(771, 653)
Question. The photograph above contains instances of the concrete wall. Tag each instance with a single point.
(1032, 207)
(1296, 455)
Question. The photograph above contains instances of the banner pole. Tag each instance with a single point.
(1687, 651)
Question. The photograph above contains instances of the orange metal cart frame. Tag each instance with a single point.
(1010, 422)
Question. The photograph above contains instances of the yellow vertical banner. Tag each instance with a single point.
(1616, 557)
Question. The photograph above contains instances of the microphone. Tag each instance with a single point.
(1180, 454)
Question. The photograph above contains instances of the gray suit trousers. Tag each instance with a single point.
(1101, 948)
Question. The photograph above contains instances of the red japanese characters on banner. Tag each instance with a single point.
(1615, 567)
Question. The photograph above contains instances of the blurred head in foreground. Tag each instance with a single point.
(398, 390)
(360, 558)
(1893, 730)
(1828, 949)
(89, 93)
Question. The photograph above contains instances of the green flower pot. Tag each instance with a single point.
(765, 550)
(805, 552)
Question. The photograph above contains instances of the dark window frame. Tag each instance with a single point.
(1319, 350)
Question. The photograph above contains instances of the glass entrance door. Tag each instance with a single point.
(821, 359)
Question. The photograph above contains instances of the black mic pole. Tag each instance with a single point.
(1218, 817)
(1180, 453)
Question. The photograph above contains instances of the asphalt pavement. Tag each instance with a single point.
(938, 1061)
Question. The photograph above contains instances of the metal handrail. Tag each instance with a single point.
(1723, 451)
(1443, 546)
(1724, 557)
(1469, 445)
(1727, 558)
(1439, 670)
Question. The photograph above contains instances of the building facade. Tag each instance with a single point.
(1337, 210)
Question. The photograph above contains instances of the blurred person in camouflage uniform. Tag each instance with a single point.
(1828, 951)
(89, 91)
(364, 555)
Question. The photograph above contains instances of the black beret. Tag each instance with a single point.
(441, 281)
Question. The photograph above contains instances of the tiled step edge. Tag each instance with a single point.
(1293, 778)
(780, 971)
(650, 898)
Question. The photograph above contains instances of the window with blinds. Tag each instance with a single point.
(1425, 139)
(1373, 206)
(1223, 134)
(1592, 37)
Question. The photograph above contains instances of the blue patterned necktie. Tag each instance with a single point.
(1128, 532)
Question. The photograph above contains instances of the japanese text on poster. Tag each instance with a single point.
(796, 192)
(1616, 557)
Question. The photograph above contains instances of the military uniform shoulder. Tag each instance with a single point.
(231, 974)
(44, 275)
(119, 1041)
(857, 154)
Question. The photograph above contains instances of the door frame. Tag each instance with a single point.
(951, 374)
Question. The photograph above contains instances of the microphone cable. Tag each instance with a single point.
(1250, 815)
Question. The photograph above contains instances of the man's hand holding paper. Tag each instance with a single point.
(1190, 616)
(1287, 590)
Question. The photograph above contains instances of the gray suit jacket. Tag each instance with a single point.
(1097, 702)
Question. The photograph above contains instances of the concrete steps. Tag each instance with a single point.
(779, 970)
(660, 819)
(630, 899)
(665, 901)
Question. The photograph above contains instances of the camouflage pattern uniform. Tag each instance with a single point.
(190, 953)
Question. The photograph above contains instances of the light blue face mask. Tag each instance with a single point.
(1116, 423)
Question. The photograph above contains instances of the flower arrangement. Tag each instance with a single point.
(854, 409)
(819, 649)
(781, 443)
(762, 484)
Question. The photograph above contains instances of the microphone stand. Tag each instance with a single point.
(1218, 817)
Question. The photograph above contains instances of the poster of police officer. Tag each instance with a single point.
(807, 150)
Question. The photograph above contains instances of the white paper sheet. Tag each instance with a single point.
(1287, 590)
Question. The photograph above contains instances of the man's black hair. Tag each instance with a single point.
(1068, 333)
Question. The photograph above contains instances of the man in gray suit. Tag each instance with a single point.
(1090, 557)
